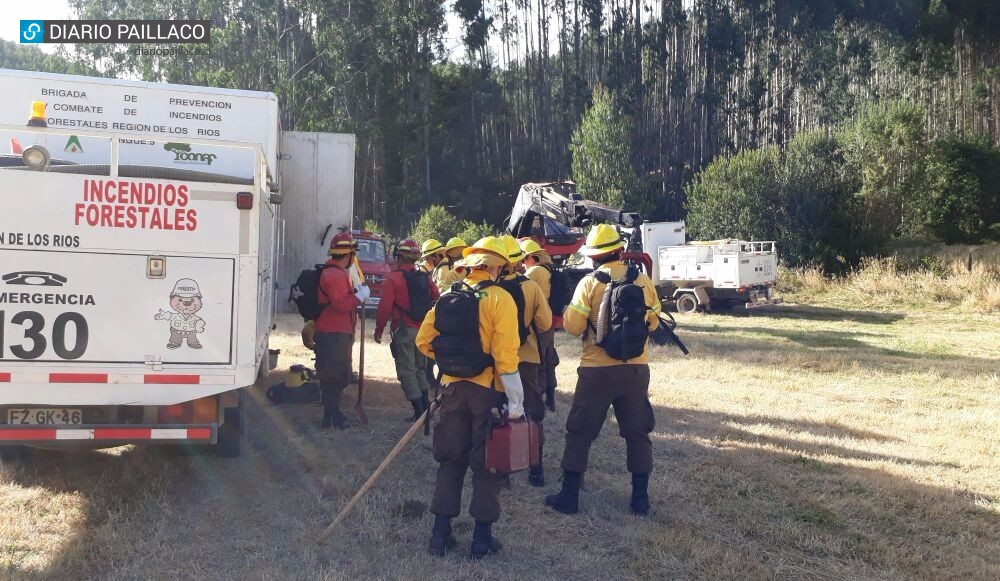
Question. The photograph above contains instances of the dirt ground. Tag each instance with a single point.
(804, 441)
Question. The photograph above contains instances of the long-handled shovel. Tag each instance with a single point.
(396, 450)
(359, 409)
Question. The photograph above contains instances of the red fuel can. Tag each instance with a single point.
(513, 446)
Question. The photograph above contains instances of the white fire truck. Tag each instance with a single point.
(138, 237)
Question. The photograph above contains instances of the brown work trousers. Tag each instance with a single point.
(550, 359)
(534, 397)
(626, 387)
(460, 443)
(333, 364)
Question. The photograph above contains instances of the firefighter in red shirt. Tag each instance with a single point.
(335, 327)
(407, 295)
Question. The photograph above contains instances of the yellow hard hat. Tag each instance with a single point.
(486, 251)
(529, 246)
(602, 239)
(514, 253)
(454, 243)
(431, 246)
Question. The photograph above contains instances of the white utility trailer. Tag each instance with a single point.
(709, 275)
(138, 250)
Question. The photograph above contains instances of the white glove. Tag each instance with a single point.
(514, 389)
(363, 293)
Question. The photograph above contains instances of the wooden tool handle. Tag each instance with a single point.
(396, 450)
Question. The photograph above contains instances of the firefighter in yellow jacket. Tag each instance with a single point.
(468, 400)
(447, 272)
(604, 381)
(536, 318)
(538, 267)
(431, 255)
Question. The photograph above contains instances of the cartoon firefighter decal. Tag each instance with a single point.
(185, 324)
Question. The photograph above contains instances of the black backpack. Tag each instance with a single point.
(307, 285)
(513, 286)
(458, 349)
(307, 392)
(418, 288)
(621, 324)
(561, 293)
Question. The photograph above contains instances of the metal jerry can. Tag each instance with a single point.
(513, 446)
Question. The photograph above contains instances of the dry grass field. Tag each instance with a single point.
(813, 441)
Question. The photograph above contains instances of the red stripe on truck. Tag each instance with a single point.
(4, 378)
(111, 433)
(27, 434)
(199, 433)
(78, 378)
(171, 379)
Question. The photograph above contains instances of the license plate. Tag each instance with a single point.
(45, 416)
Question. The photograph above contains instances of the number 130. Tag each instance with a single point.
(34, 324)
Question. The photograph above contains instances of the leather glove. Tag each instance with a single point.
(514, 389)
(363, 293)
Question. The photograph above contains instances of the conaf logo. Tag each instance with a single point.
(34, 278)
(183, 154)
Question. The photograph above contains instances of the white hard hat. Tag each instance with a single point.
(186, 288)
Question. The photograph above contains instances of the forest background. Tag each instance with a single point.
(839, 127)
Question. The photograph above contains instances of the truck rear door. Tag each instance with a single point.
(103, 271)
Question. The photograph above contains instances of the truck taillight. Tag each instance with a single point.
(180, 413)
(205, 410)
(244, 201)
(199, 411)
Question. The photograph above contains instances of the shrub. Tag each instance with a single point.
(735, 197)
(799, 197)
(884, 149)
(435, 222)
(472, 231)
(961, 202)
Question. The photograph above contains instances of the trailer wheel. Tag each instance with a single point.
(686, 304)
(232, 433)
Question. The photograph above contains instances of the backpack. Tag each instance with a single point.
(418, 287)
(561, 293)
(513, 286)
(307, 284)
(458, 349)
(300, 386)
(621, 322)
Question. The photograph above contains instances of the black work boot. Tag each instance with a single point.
(332, 418)
(441, 538)
(418, 410)
(567, 500)
(640, 494)
(550, 401)
(483, 542)
(536, 476)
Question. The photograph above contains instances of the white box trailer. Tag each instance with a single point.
(136, 291)
(710, 275)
